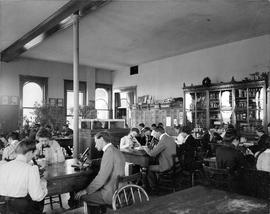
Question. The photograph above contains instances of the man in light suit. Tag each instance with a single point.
(164, 151)
(102, 188)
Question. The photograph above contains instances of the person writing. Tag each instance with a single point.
(164, 151)
(21, 183)
(49, 148)
(102, 188)
(129, 141)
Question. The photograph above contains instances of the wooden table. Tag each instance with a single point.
(137, 157)
(200, 200)
(62, 177)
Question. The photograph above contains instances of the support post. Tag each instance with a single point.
(76, 83)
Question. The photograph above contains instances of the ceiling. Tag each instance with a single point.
(131, 32)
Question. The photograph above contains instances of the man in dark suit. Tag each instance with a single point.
(102, 188)
(227, 155)
(164, 151)
(188, 149)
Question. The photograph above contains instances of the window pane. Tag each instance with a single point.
(101, 93)
(70, 101)
(32, 94)
(101, 104)
(102, 114)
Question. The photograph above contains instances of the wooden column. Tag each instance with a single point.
(76, 83)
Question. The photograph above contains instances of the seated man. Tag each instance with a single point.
(164, 150)
(49, 148)
(227, 155)
(66, 131)
(101, 189)
(21, 181)
(188, 148)
(9, 151)
(146, 137)
(129, 141)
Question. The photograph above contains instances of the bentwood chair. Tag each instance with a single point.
(128, 195)
(121, 180)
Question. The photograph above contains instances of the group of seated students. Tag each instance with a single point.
(20, 180)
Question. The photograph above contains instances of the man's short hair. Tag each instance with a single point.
(135, 130)
(142, 125)
(154, 125)
(146, 129)
(259, 128)
(13, 135)
(230, 135)
(160, 124)
(186, 129)
(105, 135)
(160, 129)
(25, 146)
(43, 133)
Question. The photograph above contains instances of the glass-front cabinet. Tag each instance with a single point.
(242, 104)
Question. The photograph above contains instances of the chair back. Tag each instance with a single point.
(128, 195)
(131, 179)
(218, 178)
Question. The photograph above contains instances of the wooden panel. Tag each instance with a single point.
(9, 117)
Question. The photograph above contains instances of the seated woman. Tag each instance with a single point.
(49, 148)
(129, 141)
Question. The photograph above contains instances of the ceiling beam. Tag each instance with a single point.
(59, 20)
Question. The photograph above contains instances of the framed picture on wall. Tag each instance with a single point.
(14, 100)
(60, 102)
(52, 101)
(4, 100)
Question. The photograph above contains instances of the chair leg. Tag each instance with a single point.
(51, 203)
(60, 201)
(85, 209)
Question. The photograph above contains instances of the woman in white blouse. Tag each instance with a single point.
(50, 148)
(20, 181)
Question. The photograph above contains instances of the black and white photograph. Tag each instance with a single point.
(135, 106)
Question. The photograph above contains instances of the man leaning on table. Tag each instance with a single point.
(101, 189)
(20, 182)
(164, 150)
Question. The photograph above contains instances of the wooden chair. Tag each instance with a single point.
(128, 195)
(131, 179)
(218, 178)
(53, 200)
(167, 180)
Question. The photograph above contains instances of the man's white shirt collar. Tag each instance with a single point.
(162, 135)
(186, 138)
(106, 146)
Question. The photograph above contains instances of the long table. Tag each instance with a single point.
(63, 178)
(138, 157)
(200, 200)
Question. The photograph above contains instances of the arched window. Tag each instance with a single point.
(32, 96)
(101, 103)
